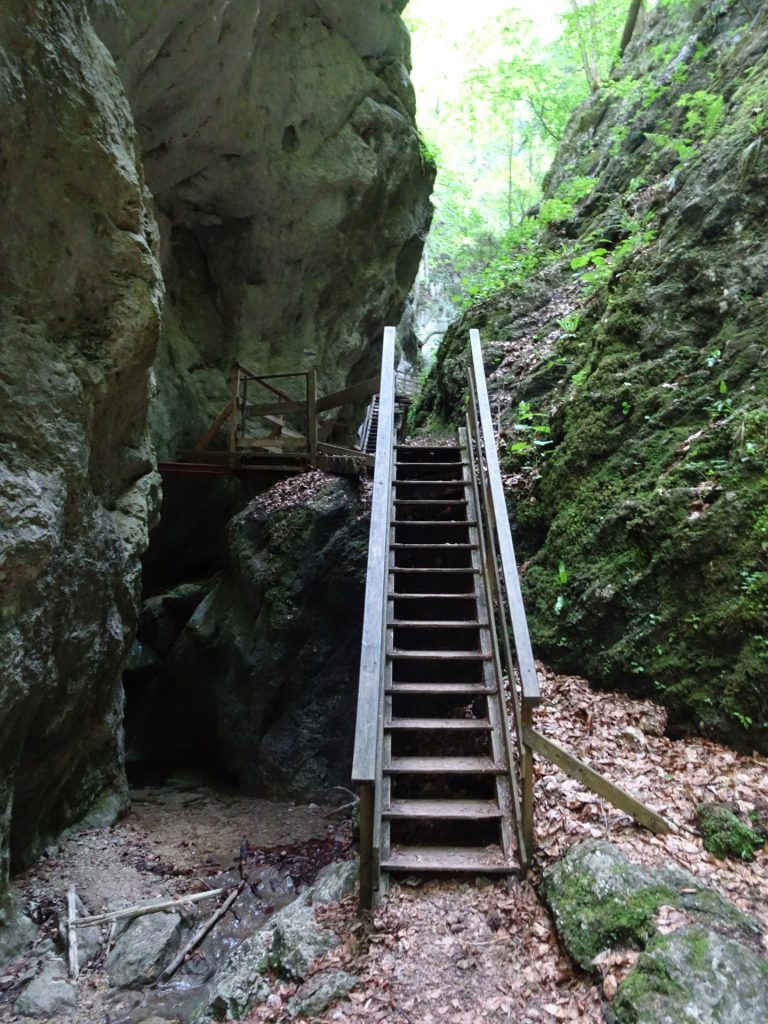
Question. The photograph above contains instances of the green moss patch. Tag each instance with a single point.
(724, 835)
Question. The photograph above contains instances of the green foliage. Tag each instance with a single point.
(533, 438)
(705, 111)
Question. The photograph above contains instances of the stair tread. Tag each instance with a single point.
(448, 809)
(439, 724)
(470, 689)
(409, 568)
(440, 546)
(434, 522)
(457, 597)
(431, 501)
(461, 482)
(408, 655)
(439, 624)
(474, 859)
(477, 765)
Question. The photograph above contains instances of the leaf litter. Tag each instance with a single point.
(475, 951)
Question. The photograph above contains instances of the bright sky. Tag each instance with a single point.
(444, 38)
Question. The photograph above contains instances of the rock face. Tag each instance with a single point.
(263, 675)
(79, 317)
(647, 364)
(292, 190)
(708, 970)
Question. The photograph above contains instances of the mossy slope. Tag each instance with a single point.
(650, 370)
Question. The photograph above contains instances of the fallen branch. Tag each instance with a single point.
(74, 966)
(202, 931)
(147, 908)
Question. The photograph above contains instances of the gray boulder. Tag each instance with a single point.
(695, 976)
(50, 993)
(143, 949)
(711, 971)
(288, 944)
(292, 228)
(80, 299)
(316, 994)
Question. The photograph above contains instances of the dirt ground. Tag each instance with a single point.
(458, 951)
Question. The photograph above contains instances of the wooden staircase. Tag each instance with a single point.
(445, 799)
(445, 774)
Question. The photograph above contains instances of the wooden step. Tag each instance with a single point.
(403, 654)
(430, 501)
(442, 624)
(424, 689)
(443, 766)
(431, 483)
(441, 546)
(407, 568)
(434, 522)
(430, 465)
(439, 724)
(469, 596)
(445, 810)
(470, 859)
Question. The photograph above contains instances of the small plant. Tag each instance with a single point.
(713, 358)
(683, 148)
(562, 579)
(723, 406)
(533, 445)
(704, 113)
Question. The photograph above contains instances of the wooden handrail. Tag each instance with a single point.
(371, 658)
(366, 762)
(529, 681)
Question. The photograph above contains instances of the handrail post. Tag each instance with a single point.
(235, 400)
(312, 415)
(366, 760)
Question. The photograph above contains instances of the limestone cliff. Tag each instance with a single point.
(637, 347)
(279, 143)
(80, 296)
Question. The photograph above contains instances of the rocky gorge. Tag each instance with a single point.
(181, 185)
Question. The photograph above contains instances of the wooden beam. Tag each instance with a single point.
(312, 414)
(345, 453)
(372, 651)
(595, 781)
(529, 680)
(352, 394)
(284, 443)
(215, 427)
(274, 408)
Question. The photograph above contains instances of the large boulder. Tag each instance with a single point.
(264, 674)
(79, 319)
(292, 186)
(708, 968)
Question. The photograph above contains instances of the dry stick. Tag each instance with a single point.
(202, 931)
(74, 967)
(149, 908)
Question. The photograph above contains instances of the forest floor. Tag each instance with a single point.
(461, 952)
(470, 952)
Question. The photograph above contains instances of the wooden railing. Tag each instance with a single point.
(520, 669)
(266, 418)
(505, 594)
(366, 765)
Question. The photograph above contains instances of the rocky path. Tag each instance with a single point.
(466, 952)
(435, 950)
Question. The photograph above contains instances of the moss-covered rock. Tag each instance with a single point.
(600, 900)
(724, 835)
(694, 976)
